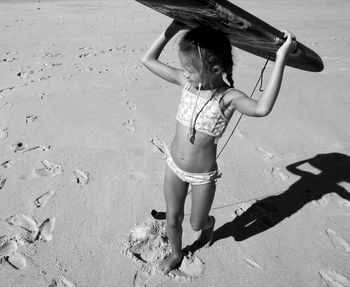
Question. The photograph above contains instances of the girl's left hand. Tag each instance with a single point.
(288, 46)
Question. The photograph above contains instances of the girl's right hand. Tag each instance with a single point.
(288, 46)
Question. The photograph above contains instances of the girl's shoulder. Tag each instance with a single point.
(231, 94)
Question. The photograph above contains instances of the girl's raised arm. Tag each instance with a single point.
(151, 62)
(264, 105)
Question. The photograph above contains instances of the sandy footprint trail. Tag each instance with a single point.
(9, 247)
(44, 232)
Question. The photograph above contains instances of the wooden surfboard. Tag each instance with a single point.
(244, 30)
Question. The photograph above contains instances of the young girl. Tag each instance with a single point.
(207, 104)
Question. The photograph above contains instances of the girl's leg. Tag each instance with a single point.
(175, 191)
(202, 199)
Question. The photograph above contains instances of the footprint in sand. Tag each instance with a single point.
(337, 241)
(17, 261)
(46, 229)
(191, 267)
(5, 105)
(53, 55)
(49, 170)
(2, 182)
(43, 199)
(265, 155)
(44, 78)
(7, 164)
(251, 263)
(140, 279)
(278, 174)
(323, 201)
(333, 279)
(18, 147)
(8, 248)
(4, 239)
(24, 222)
(62, 282)
(81, 177)
(345, 205)
(130, 125)
(3, 134)
(8, 251)
(44, 96)
(31, 118)
(25, 74)
(131, 105)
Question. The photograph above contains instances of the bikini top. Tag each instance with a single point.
(203, 115)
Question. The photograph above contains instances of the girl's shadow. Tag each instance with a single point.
(266, 213)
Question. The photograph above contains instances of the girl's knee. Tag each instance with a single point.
(174, 220)
(197, 225)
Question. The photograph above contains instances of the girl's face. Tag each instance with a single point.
(191, 73)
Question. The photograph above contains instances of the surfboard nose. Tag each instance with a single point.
(306, 59)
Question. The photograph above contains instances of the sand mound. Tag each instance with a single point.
(147, 244)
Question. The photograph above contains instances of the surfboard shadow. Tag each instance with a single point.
(266, 213)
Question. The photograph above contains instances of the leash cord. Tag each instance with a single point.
(260, 80)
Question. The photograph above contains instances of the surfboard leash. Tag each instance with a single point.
(260, 80)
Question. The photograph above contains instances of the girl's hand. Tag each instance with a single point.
(174, 27)
(288, 46)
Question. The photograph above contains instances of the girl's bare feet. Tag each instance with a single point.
(169, 263)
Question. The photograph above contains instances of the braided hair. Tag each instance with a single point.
(206, 48)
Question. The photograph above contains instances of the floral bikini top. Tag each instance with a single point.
(203, 115)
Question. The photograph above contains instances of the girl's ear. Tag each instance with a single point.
(217, 70)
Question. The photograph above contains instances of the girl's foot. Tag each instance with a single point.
(206, 236)
(169, 263)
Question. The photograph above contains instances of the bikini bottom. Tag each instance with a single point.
(189, 177)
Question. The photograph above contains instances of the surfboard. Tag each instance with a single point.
(245, 31)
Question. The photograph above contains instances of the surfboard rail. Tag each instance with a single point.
(245, 31)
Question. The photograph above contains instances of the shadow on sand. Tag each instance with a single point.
(266, 213)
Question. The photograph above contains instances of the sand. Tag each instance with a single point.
(79, 176)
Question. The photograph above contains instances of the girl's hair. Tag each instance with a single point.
(206, 48)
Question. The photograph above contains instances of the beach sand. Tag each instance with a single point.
(79, 175)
